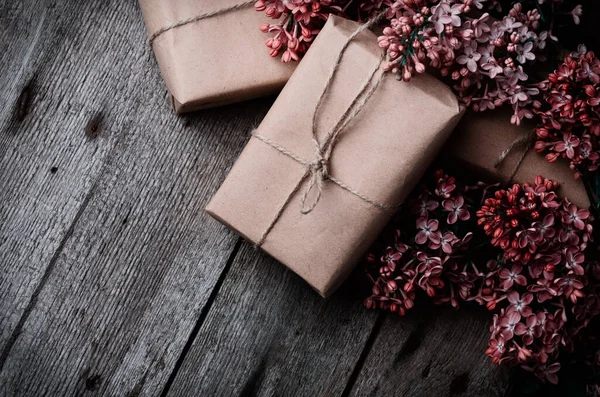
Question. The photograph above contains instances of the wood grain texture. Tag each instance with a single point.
(431, 352)
(269, 334)
(107, 256)
(53, 84)
(114, 281)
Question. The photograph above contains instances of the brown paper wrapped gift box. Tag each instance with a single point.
(480, 139)
(382, 153)
(215, 61)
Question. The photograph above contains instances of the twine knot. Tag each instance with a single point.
(320, 167)
(318, 171)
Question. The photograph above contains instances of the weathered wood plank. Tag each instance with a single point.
(108, 259)
(110, 262)
(432, 352)
(55, 78)
(268, 333)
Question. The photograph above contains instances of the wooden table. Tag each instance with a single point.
(115, 282)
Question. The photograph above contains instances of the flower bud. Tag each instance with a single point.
(307, 33)
(293, 44)
(260, 5)
(590, 90)
(383, 41)
(271, 12)
(539, 146)
(392, 286)
(419, 67)
(418, 19)
(542, 132)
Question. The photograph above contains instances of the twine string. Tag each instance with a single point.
(317, 169)
(526, 142)
(324, 149)
(197, 18)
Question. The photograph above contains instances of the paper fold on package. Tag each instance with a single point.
(382, 154)
(215, 61)
(480, 139)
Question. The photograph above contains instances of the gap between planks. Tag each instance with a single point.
(202, 317)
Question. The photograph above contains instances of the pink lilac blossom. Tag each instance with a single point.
(297, 22)
(526, 263)
(569, 111)
(486, 59)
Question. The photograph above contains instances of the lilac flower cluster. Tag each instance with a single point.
(542, 275)
(428, 256)
(569, 112)
(486, 58)
(526, 262)
(297, 22)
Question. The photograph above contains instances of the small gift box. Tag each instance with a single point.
(313, 199)
(480, 140)
(210, 53)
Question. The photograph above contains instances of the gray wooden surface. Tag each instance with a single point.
(114, 282)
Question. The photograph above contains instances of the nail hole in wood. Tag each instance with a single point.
(93, 382)
(53, 170)
(24, 101)
(93, 127)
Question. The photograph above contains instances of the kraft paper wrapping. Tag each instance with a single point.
(479, 140)
(382, 153)
(215, 61)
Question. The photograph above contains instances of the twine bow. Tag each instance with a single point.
(318, 168)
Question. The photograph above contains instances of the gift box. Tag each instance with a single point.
(377, 160)
(216, 60)
(481, 138)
